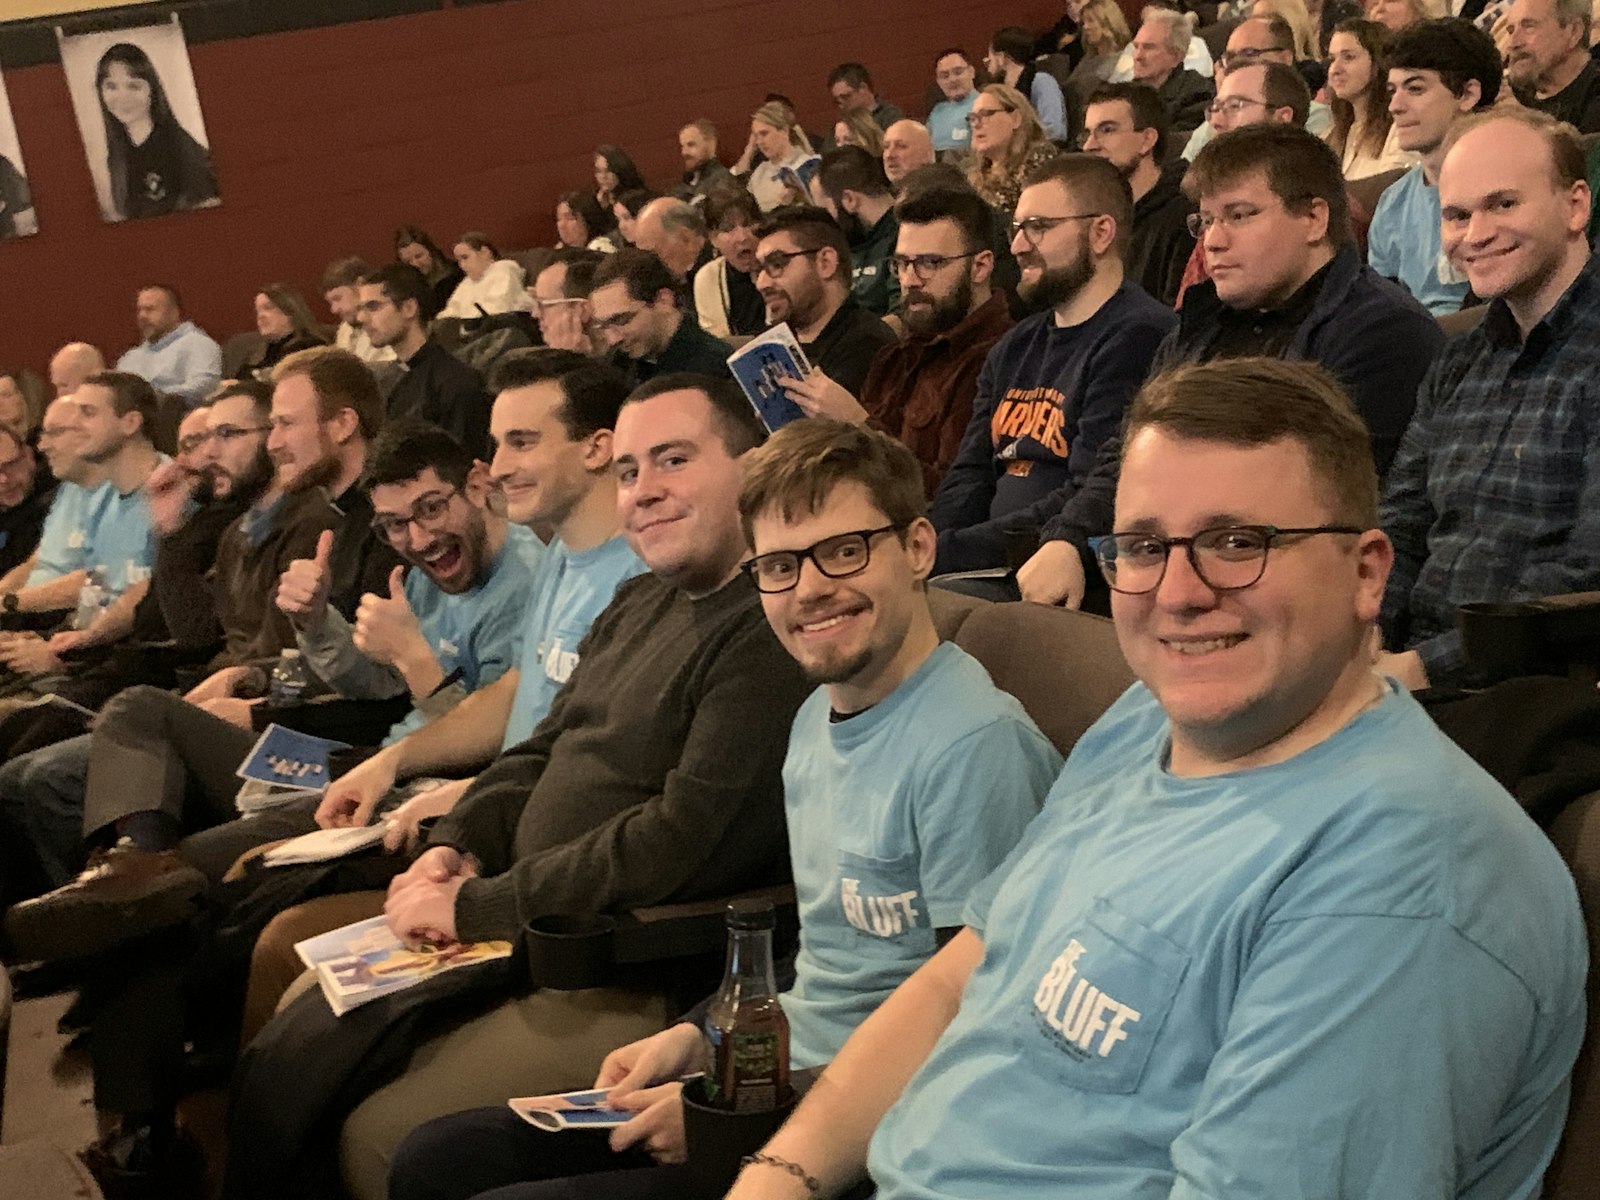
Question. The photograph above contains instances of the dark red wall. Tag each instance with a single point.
(468, 118)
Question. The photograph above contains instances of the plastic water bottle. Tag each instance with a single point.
(289, 680)
(92, 598)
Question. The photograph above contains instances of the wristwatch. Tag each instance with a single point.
(8, 602)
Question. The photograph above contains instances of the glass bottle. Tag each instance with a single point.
(746, 1029)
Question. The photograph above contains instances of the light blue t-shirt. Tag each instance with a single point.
(1357, 973)
(947, 123)
(475, 631)
(568, 591)
(64, 540)
(895, 816)
(122, 543)
(1403, 243)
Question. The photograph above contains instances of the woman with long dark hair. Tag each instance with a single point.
(285, 323)
(1363, 131)
(582, 224)
(155, 165)
(415, 248)
(614, 173)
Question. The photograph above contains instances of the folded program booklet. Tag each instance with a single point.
(284, 765)
(361, 962)
(569, 1110)
(761, 365)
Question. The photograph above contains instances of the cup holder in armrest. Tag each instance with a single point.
(1551, 636)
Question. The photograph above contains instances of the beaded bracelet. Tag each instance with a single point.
(809, 1182)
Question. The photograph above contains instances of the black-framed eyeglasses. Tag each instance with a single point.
(923, 266)
(1227, 558)
(1233, 59)
(230, 433)
(837, 557)
(778, 261)
(1034, 228)
(426, 512)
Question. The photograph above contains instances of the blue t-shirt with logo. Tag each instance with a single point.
(568, 591)
(64, 540)
(895, 815)
(475, 631)
(947, 123)
(1356, 973)
(122, 543)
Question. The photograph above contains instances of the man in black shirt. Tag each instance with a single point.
(26, 490)
(635, 303)
(1126, 124)
(1549, 64)
(396, 306)
(851, 185)
(804, 277)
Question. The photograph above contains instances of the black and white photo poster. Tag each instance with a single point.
(17, 217)
(139, 116)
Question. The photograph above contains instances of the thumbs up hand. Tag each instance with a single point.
(386, 629)
(303, 588)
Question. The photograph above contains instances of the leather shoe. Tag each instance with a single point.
(145, 1165)
(124, 893)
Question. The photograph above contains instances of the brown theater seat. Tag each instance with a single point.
(1065, 667)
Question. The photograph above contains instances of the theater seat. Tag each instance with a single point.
(1064, 666)
(1572, 1176)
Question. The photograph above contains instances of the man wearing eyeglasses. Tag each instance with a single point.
(920, 388)
(1257, 41)
(1265, 889)
(804, 275)
(561, 306)
(1054, 387)
(635, 302)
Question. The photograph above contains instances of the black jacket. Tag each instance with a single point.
(437, 386)
(1161, 243)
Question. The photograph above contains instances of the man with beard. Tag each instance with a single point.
(1054, 388)
(160, 766)
(920, 388)
(1126, 124)
(395, 308)
(449, 628)
(851, 185)
(703, 171)
(325, 407)
(1549, 64)
(804, 277)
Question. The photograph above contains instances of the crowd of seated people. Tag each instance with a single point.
(1261, 327)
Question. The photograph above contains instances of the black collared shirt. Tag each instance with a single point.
(847, 344)
(437, 386)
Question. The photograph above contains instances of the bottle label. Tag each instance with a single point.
(756, 1069)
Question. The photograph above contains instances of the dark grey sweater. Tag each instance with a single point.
(655, 777)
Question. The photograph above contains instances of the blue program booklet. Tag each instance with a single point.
(759, 366)
(284, 766)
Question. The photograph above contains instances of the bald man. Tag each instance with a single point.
(675, 232)
(907, 145)
(72, 364)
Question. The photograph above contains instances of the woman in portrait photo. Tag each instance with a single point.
(155, 165)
